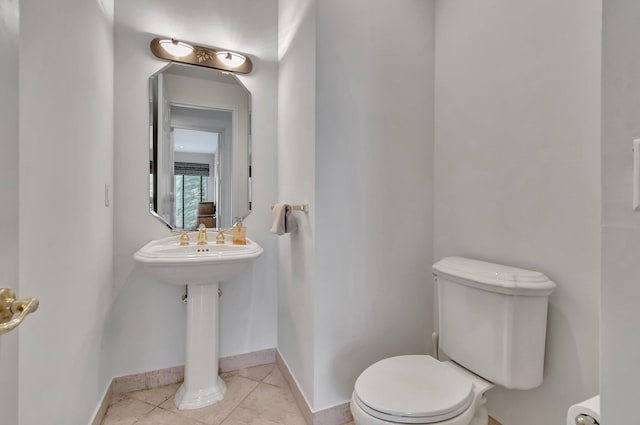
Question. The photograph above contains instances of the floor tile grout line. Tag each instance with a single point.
(238, 405)
(271, 385)
(269, 374)
(237, 372)
(165, 400)
(159, 406)
(127, 396)
(256, 387)
(179, 413)
(225, 417)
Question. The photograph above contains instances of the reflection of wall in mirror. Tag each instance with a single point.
(165, 155)
(199, 131)
(230, 97)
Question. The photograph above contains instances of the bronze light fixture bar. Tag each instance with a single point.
(192, 54)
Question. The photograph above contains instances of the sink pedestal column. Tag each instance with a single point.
(202, 386)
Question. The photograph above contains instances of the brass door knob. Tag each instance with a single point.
(585, 420)
(10, 306)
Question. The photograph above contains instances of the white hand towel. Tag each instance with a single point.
(283, 220)
(290, 222)
(279, 216)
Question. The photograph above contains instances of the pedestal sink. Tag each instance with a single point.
(201, 268)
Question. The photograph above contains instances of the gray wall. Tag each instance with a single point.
(66, 231)
(356, 141)
(620, 346)
(374, 182)
(517, 170)
(296, 184)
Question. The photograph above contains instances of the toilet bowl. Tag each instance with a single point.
(491, 323)
(419, 389)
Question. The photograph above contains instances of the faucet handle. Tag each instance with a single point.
(220, 236)
(183, 235)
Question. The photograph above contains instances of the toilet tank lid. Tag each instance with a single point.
(494, 277)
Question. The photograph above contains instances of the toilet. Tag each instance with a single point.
(491, 326)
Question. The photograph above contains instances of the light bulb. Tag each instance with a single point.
(176, 48)
(231, 59)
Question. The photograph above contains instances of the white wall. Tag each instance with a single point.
(620, 345)
(517, 170)
(374, 173)
(296, 184)
(363, 160)
(9, 29)
(65, 239)
(147, 322)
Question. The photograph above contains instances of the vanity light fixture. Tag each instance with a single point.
(176, 48)
(193, 54)
(230, 58)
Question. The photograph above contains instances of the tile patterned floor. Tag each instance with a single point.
(255, 396)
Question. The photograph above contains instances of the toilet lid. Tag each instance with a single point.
(414, 387)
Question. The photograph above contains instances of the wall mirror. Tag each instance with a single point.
(200, 147)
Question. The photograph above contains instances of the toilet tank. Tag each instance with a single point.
(492, 319)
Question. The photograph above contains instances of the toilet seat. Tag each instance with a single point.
(413, 389)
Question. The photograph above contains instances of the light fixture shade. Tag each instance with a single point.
(205, 56)
(231, 59)
(176, 48)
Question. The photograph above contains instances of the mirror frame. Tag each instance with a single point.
(153, 147)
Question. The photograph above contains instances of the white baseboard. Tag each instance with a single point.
(101, 409)
(298, 395)
(335, 415)
(148, 380)
(241, 361)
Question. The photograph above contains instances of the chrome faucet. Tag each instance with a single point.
(202, 234)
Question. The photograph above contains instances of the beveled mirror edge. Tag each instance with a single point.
(153, 148)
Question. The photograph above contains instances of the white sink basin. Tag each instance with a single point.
(201, 268)
(196, 264)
